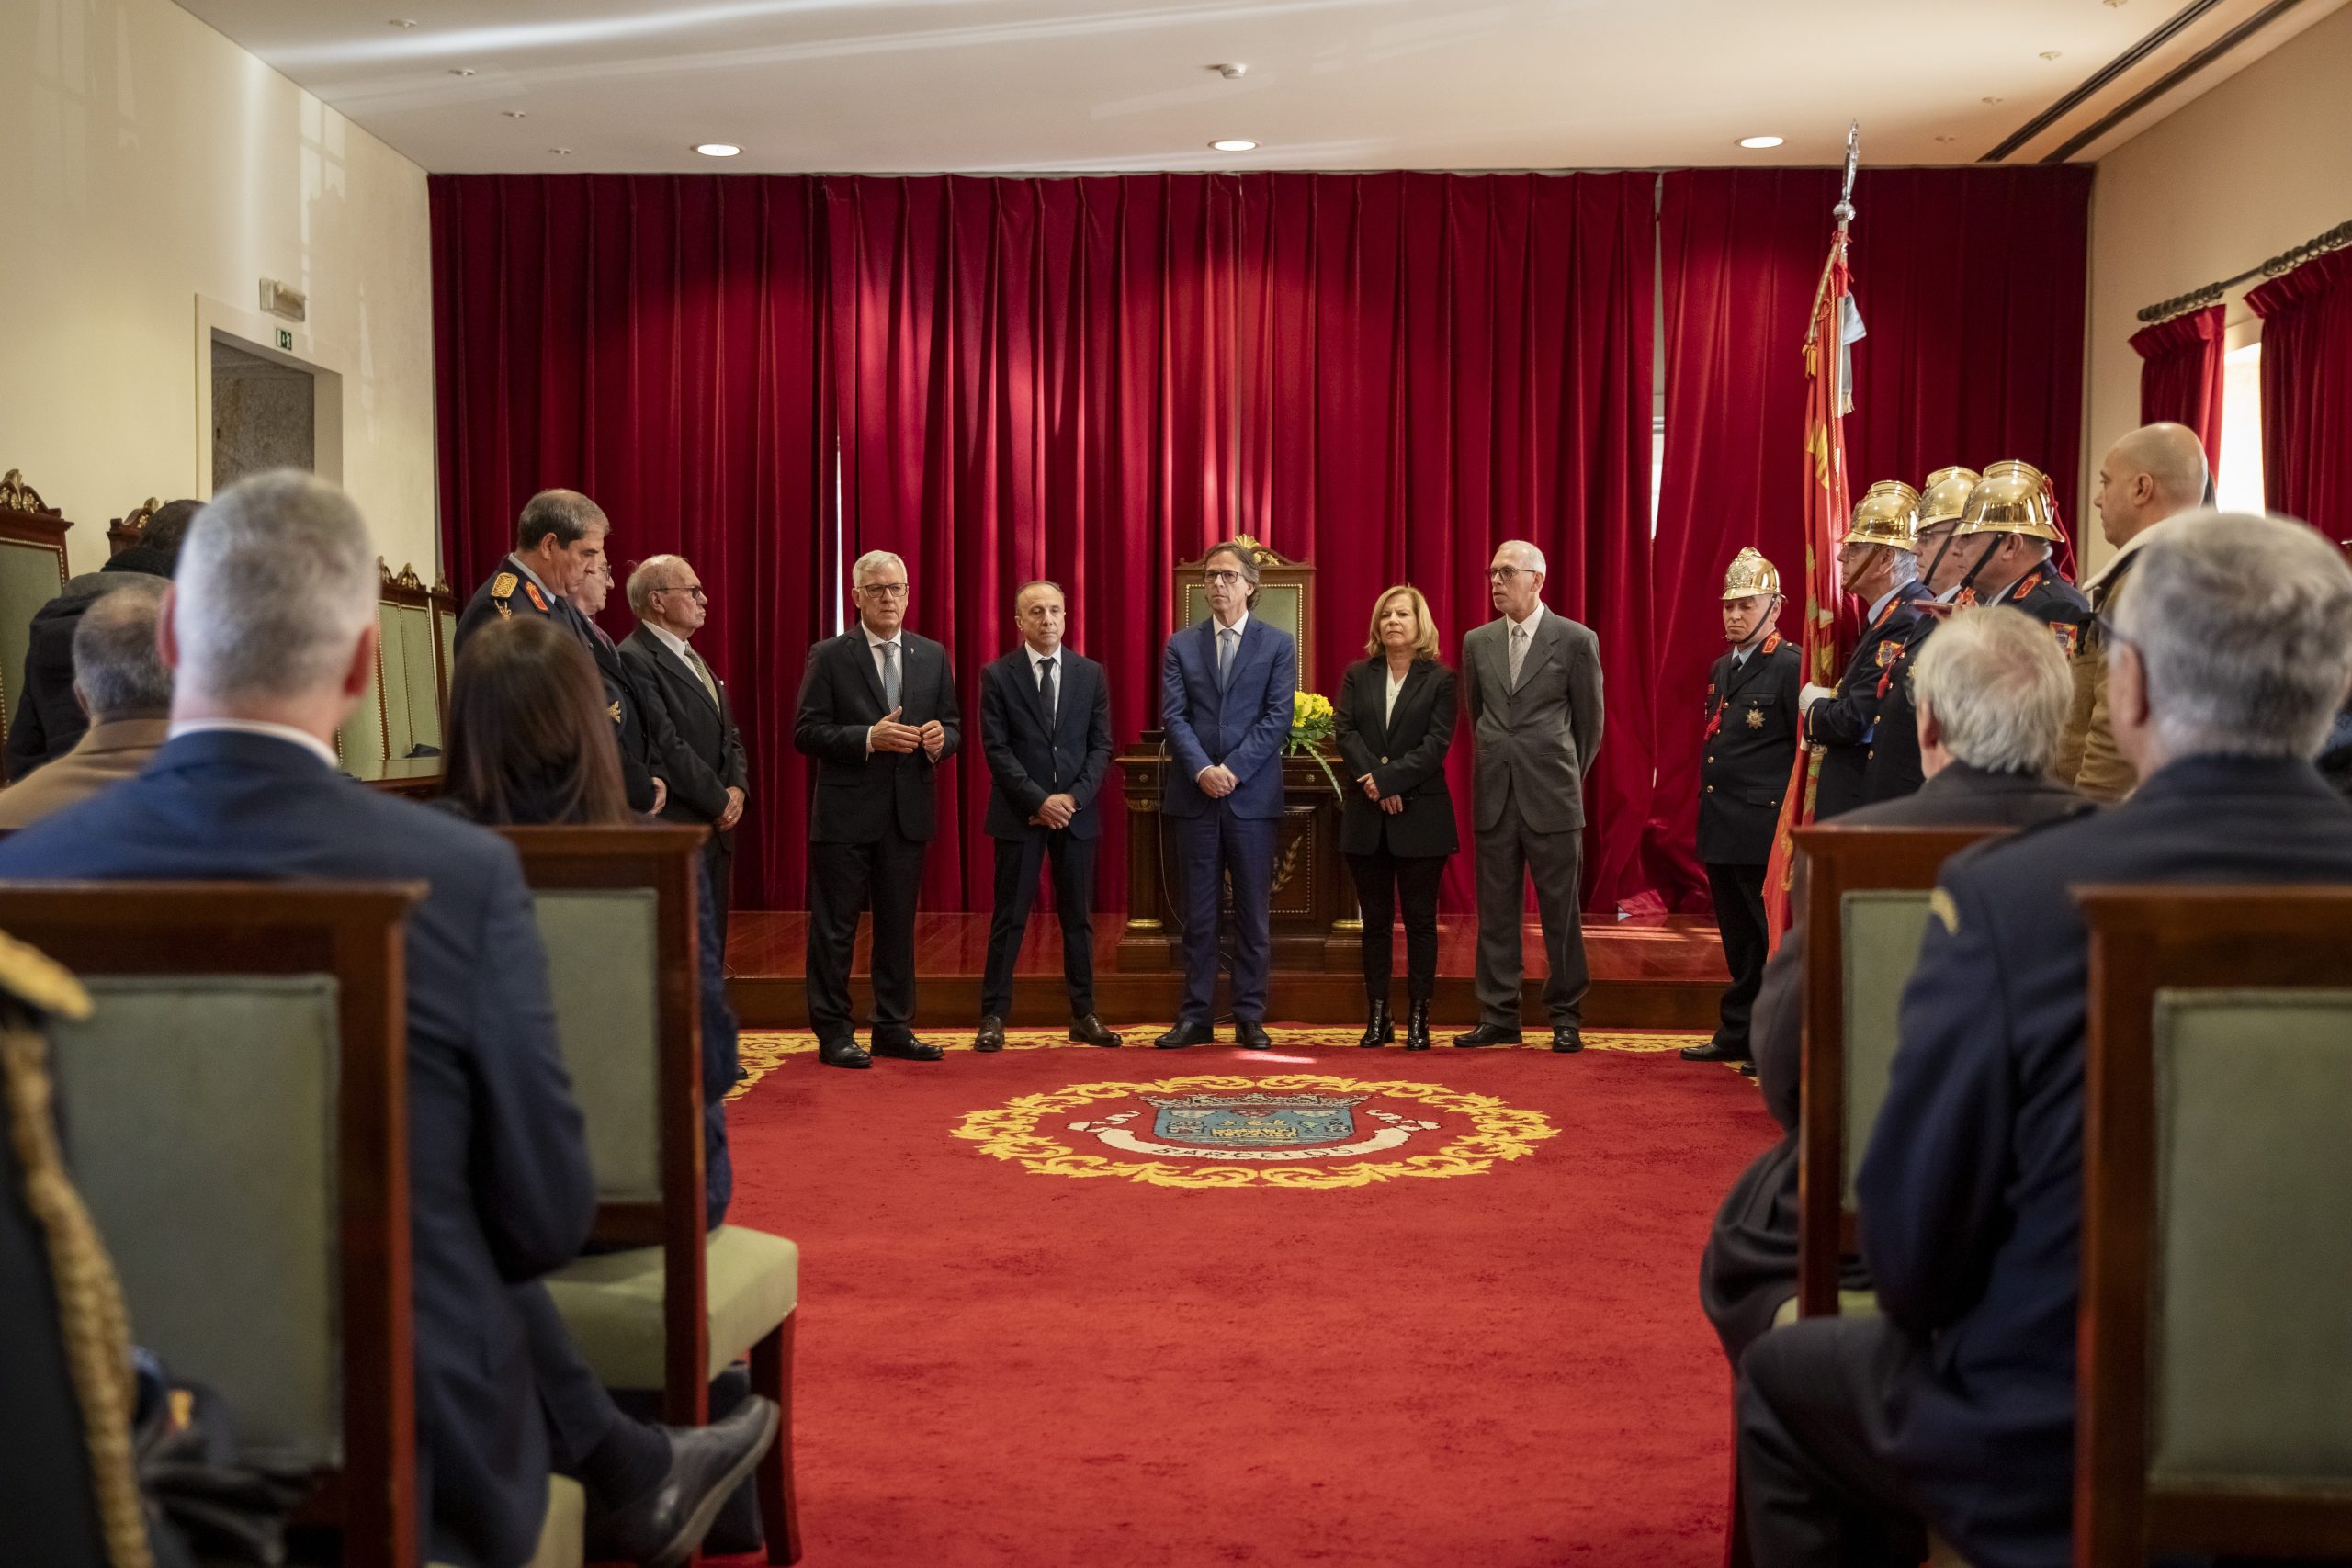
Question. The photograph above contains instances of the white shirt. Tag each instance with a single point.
(1534, 617)
(669, 641)
(1036, 663)
(876, 644)
(302, 737)
(1396, 684)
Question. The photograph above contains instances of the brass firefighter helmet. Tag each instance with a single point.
(2012, 498)
(1750, 574)
(1887, 514)
(1946, 498)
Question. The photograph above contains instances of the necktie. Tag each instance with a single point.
(1045, 690)
(890, 676)
(702, 671)
(1518, 653)
(1226, 640)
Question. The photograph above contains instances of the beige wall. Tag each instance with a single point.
(2255, 166)
(147, 165)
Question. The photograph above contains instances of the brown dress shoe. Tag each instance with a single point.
(1089, 1031)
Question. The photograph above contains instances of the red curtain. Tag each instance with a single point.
(1972, 285)
(2307, 392)
(655, 342)
(1384, 375)
(2180, 376)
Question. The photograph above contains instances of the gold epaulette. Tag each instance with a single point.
(40, 981)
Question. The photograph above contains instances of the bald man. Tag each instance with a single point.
(2153, 473)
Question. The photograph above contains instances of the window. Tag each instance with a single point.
(2237, 483)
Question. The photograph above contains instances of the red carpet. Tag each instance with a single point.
(1504, 1366)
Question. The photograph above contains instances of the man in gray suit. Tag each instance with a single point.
(1532, 681)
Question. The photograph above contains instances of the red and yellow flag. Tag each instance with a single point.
(1831, 618)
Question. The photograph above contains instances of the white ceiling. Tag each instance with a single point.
(1048, 85)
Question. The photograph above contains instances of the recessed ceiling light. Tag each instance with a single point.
(462, 71)
(1759, 141)
(1992, 99)
(1947, 137)
(1234, 144)
(717, 149)
(560, 151)
(1233, 71)
(403, 21)
(516, 114)
(2050, 53)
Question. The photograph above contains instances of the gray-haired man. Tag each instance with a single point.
(121, 683)
(1530, 680)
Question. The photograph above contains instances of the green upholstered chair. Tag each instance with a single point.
(2215, 1350)
(407, 701)
(235, 1106)
(617, 910)
(32, 572)
(1866, 900)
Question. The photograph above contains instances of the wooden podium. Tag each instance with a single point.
(1315, 921)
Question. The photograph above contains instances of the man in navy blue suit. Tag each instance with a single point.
(1046, 730)
(1226, 686)
(2226, 666)
(271, 632)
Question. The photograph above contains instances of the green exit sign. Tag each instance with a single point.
(285, 340)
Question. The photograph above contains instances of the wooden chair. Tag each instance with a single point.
(2214, 1353)
(32, 572)
(237, 1106)
(617, 907)
(1865, 912)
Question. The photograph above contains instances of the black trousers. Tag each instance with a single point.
(1383, 882)
(616, 1458)
(719, 869)
(843, 881)
(1739, 915)
(1814, 1484)
(1017, 893)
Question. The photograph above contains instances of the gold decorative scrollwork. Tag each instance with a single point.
(1260, 555)
(1289, 866)
(16, 495)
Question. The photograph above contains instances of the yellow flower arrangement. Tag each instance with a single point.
(1311, 724)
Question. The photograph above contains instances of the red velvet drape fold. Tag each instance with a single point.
(1972, 286)
(2180, 376)
(656, 342)
(2307, 392)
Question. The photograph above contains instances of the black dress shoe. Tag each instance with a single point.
(1416, 1027)
(1567, 1037)
(1713, 1051)
(662, 1528)
(844, 1054)
(1185, 1034)
(991, 1035)
(907, 1050)
(1380, 1029)
(1089, 1031)
(1252, 1036)
(1489, 1034)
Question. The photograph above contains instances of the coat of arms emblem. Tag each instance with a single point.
(1253, 1121)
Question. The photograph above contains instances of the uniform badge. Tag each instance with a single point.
(533, 590)
(2068, 636)
(504, 611)
(502, 585)
(1771, 644)
(1755, 719)
(1888, 652)
(614, 709)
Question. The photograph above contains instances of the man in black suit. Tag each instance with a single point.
(271, 632)
(1045, 731)
(1956, 1408)
(1750, 748)
(708, 778)
(650, 749)
(877, 712)
(1993, 694)
(1877, 563)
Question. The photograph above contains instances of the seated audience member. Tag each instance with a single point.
(270, 632)
(48, 720)
(2226, 663)
(526, 747)
(1991, 692)
(120, 681)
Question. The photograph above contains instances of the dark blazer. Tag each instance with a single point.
(1751, 1265)
(1849, 722)
(709, 761)
(1533, 746)
(1971, 1191)
(1749, 751)
(1405, 754)
(1244, 727)
(1030, 757)
(860, 796)
(505, 592)
(48, 721)
(499, 1185)
(641, 728)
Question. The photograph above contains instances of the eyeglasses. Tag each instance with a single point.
(1505, 573)
(884, 589)
(695, 591)
(1221, 579)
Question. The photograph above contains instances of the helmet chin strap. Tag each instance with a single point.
(1763, 626)
(1943, 548)
(1991, 546)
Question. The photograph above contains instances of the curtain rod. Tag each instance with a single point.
(2335, 239)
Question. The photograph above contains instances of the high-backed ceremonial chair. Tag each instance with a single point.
(617, 910)
(2215, 1352)
(236, 1104)
(1866, 893)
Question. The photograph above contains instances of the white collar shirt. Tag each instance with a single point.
(286, 733)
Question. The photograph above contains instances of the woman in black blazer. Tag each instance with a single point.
(1394, 721)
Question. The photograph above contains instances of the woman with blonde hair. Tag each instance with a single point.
(1394, 722)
